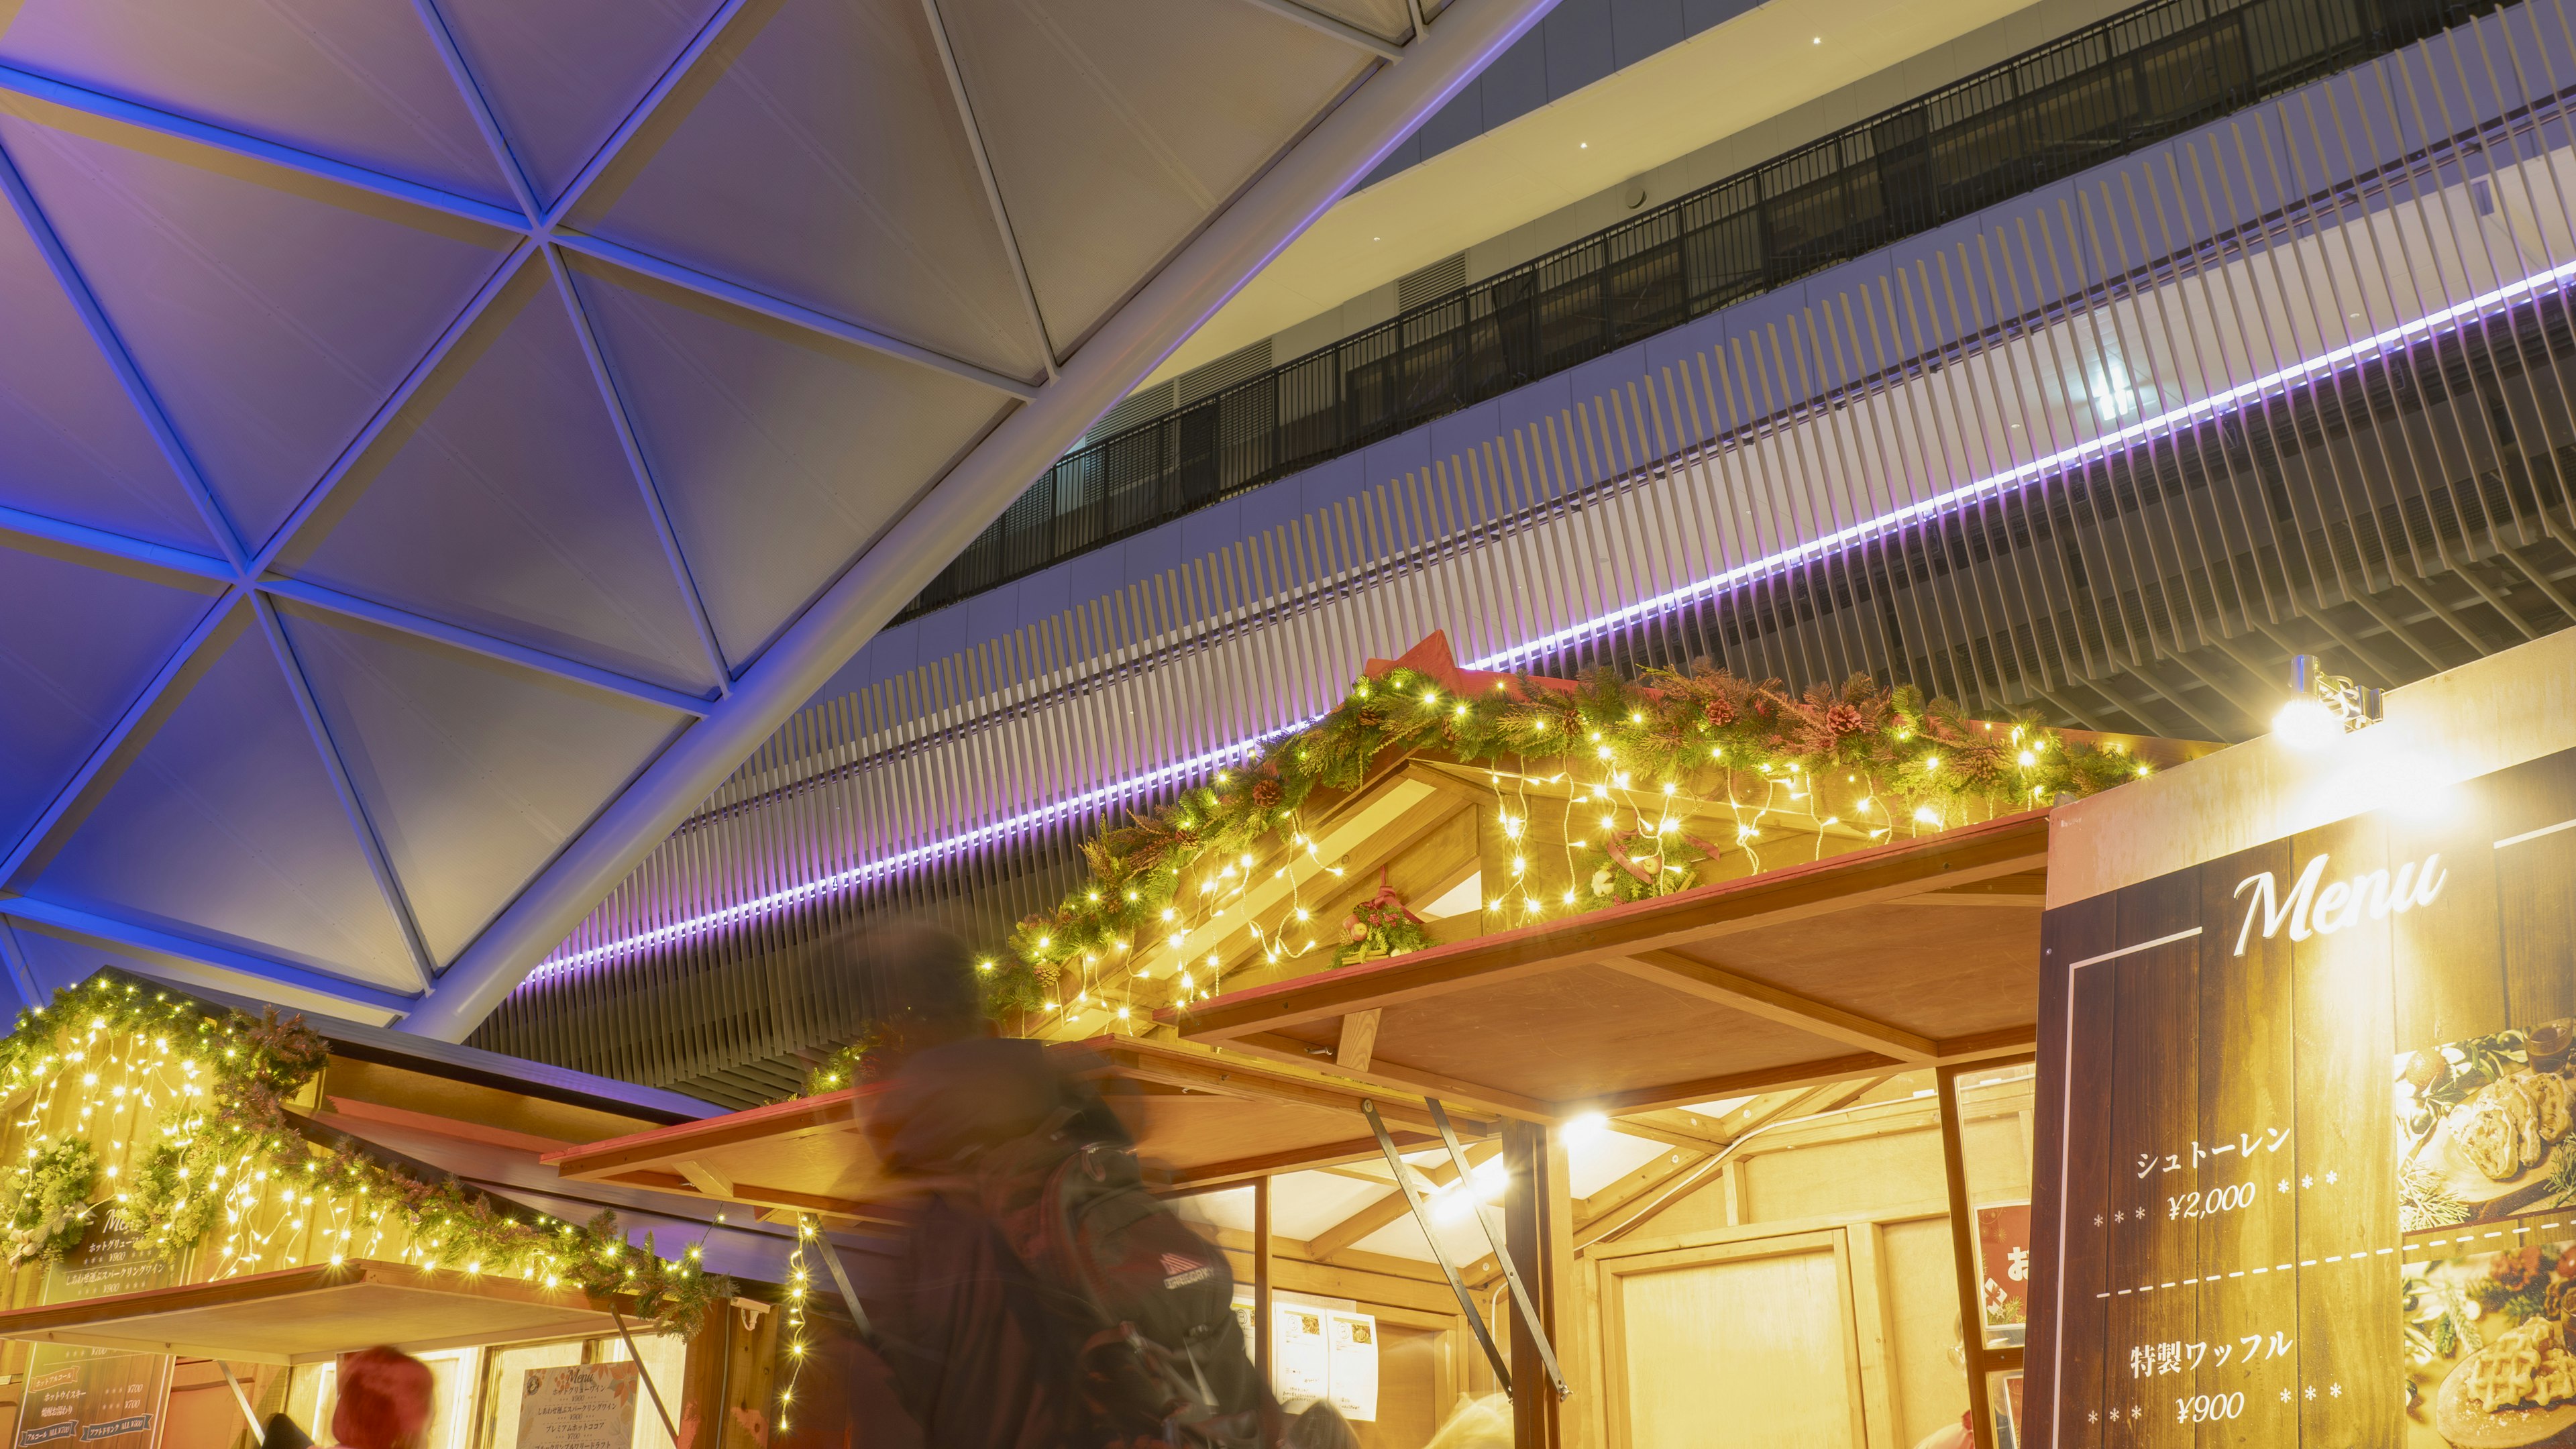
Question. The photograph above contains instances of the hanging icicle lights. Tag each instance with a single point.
(189, 1144)
(1653, 783)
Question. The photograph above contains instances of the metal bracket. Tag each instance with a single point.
(1502, 1255)
(841, 1280)
(1413, 1199)
(642, 1372)
(250, 1415)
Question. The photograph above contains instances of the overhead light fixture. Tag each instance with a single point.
(2322, 707)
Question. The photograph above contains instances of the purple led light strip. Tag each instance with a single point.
(2161, 425)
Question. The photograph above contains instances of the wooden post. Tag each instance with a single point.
(1538, 1221)
(1963, 1248)
(1261, 1316)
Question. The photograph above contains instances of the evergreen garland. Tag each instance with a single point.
(48, 1203)
(1666, 728)
(232, 1129)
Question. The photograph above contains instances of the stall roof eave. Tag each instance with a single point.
(1858, 964)
(311, 1314)
(1203, 1119)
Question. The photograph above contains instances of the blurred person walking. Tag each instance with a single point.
(1045, 1299)
(384, 1401)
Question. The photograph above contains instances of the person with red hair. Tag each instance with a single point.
(384, 1401)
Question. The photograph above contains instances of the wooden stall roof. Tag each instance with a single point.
(1201, 1119)
(309, 1315)
(1888, 958)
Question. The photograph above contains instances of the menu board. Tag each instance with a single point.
(96, 1398)
(1353, 1349)
(1320, 1352)
(579, 1406)
(2308, 1162)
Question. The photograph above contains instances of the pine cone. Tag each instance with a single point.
(1719, 711)
(1843, 719)
(1266, 795)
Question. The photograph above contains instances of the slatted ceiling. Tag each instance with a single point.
(2158, 591)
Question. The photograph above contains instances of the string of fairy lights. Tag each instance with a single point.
(1622, 820)
(202, 1164)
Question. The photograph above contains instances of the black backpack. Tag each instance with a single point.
(1162, 1353)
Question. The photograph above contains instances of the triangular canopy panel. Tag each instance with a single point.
(1133, 130)
(501, 497)
(77, 646)
(779, 453)
(474, 770)
(227, 824)
(439, 439)
(271, 316)
(781, 170)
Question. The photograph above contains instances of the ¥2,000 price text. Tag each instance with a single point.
(2211, 1203)
(2208, 1408)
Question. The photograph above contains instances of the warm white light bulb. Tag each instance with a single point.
(2304, 724)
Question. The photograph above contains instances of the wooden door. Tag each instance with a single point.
(1743, 1341)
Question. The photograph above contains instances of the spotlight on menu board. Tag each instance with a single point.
(2322, 707)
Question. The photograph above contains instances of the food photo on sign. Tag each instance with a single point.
(2487, 1359)
(2486, 1128)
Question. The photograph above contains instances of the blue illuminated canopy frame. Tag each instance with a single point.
(437, 445)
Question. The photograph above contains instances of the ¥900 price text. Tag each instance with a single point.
(2208, 1408)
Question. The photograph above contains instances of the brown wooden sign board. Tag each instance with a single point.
(2261, 1211)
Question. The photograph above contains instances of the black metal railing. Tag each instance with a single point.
(2102, 92)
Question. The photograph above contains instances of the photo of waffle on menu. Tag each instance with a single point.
(2487, 1336)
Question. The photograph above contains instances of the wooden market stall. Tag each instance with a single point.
(1523, 1032)
(351, 1217)
(1775, 1086)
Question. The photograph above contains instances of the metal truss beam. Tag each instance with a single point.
(1343, 31)
(681, 67)
(36, 533)
(489, 647)
(46, 90)
(424, 966)
(105, 107)
(39, 534)
(471, 93)
(651, 493)
(992, 184)
(1308, 177)
(21, 976)
(169, 946)
(689, 279)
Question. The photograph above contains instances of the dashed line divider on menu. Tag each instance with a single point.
(2357, 1255)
